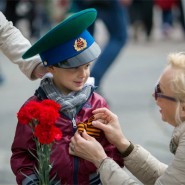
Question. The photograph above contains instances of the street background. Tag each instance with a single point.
(128, 86)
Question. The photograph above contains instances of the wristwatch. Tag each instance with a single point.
(128, 150)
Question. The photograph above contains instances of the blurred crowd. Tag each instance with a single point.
(141, 14)
(39, 14)
(43, 14)
(137, 15)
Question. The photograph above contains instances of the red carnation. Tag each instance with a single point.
(48, 115)
(51, 103)
(47, 134)
(41, 116)
(29, 112)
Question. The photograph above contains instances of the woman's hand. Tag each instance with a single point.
(109, 123)
(39, 71)
(87, 147)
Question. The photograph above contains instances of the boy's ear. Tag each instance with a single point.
(50, 69)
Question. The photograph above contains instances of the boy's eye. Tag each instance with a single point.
(88, 65)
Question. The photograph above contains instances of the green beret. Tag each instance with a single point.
(68, 44)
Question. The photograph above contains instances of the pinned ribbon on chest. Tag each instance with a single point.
(90, 129)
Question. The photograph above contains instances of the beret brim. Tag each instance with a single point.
(66, 30)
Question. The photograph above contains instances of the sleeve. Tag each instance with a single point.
(22, 161)
(112, 151)
(140, 163)
(144, 166)
(111, 173)
(174, 174)
(13, 45)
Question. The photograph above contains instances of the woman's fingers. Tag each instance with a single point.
(100, 125)
(78, 141)
(102, 111)
(104, 114)
(86, 136)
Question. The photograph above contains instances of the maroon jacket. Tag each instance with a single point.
(69, 169)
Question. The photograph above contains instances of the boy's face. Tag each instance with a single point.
(72, 79)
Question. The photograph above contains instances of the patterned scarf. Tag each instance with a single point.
(178, 131)
(69, 103)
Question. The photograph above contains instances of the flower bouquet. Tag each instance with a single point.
(41, 117)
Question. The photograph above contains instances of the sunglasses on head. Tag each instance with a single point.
(158, 93)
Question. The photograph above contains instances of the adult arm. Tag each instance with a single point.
(140, 162)
(175, 172)
(90, 149)
(13, 45)
(144, 166)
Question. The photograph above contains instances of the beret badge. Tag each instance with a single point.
(80, 44)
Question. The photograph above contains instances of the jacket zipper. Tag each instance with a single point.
(75, 176)
(76, 161)
(74, 124)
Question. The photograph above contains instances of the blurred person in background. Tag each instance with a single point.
(181, 14)
(21, 9)
(35, 12)
(167, 15)
(141, 16)
(172, 11)
(10, 10)
(114, 16)
(169, 95)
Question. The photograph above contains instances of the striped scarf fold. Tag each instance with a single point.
(69, 103)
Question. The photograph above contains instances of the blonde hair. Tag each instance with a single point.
(177, 84)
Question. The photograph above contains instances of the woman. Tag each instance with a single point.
(170, 97)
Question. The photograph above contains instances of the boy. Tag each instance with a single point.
(67, 51)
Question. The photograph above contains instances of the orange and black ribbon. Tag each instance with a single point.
(90, 129)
